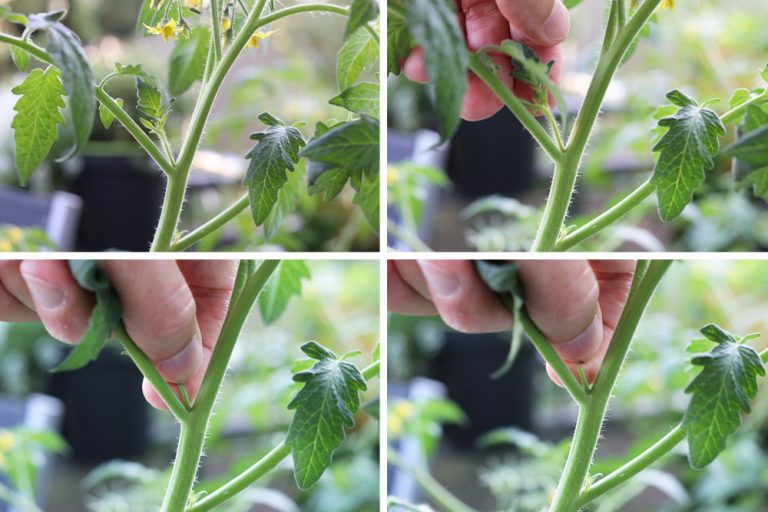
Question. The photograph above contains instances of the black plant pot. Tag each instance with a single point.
(493, 156)
(465, 365)
(122, 198)
(105, 416)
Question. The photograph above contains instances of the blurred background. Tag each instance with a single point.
(484, 189)
(501, 444)
(110, 197)
(87, 441)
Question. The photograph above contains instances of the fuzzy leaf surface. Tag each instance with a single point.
(719, 394)
(275, 154)
(35, 125)
(686, 152)
(324, 406)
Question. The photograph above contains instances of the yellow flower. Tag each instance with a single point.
(7, 441)
(226, 24)
(193, 4)
(5, 246)
(392, 176)
(253, 42)
(668, 4)
(15, 234)
(169, 30)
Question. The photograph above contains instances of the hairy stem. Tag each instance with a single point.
(516, 106)
(212, 225)
(564, 180)
(149, 371)
(608, 217)
(216, 32)
(737, 111)
(653, 453)
(192, 435)
(544, 347)
(31, 48)
(431, 487)
(592, 413)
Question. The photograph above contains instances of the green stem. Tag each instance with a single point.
(516, 106)
(192, 435)
(135, 130)
(149, 371)
(31, 48)
(431, 487)
(608, 217)
(288, 11)
(371, 371)
(566, 172)
(611, 27)
(212, 225)
(737, 111)
(592, 413)
(544, 346)
(177, 184)
(243, 480)
(216, 32)
(405, 235)
(660, 448)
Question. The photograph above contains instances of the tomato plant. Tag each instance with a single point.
(209, 37)
(323, 408)
(687, 139)
(724, 379)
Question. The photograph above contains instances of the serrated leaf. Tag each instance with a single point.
(720, 392)
(362, 99)
(35, 124)
(399, 40)
(284, 284)
(750, 164)
(324, 406)
(359, 53)
(352, 147)
(106, 116)
(502, 278)
(686, 152)
(105, 316)
(275, 154)
(134, 70)
(76, 75)
(434, 27)
(360, 13)
(288, 198)
(20, 58)
(150, 99)
(187, 62)
(367, 198)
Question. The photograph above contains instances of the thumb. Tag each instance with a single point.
(562, 299)
(536, 22)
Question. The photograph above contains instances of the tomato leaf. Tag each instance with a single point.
(284, 284)
(324, 406)
(106, 116)
(720, 392)
(686, 152)
(287, 199)
(434, 27)
(187, 62)
(360, 13)
(351, 147)
(274, 155)
(362, 98)
(76, 75)
(399, 41)
(359, 53)
(150, 99)
(106, 315)
(502, 278)
(367, 198)
(750, 164)
(20, 58)
(37, 118)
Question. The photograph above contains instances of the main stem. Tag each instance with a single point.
(192, 436)
(566, 171)
(592, 412)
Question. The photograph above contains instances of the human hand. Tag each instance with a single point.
(172, 310)
(540, 24)
(576, 304)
